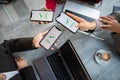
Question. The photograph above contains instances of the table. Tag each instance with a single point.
(86, 46)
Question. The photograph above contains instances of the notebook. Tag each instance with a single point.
(64, 64)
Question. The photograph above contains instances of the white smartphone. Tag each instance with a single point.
(67, 22)
(52, 35)
(41, 15)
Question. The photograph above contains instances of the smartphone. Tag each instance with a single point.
(37, 15)
(50, 38)
(67, 22)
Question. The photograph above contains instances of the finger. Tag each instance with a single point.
(57, 41)
(41, 22)
(52, 49)
(46, 9)
(105, 21)
(35, 22)
(16, 60)
(111, 17)
(22, 58)
(44, 33)
(76, 25)
(80, 26)
(106, 18)
(105, 26)
(55, 45)
(46, 22)
(78, 19)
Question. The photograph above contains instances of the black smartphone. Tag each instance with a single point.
(50, 38)
(37, 15)
(67, 22)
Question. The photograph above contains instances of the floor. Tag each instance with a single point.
(15, 21)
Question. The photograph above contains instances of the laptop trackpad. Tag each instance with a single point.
(43, 69)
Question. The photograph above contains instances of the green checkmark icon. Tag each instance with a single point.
(52, 36)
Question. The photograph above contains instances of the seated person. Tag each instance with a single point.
(110, 22)
(23, 69)
(8, 61)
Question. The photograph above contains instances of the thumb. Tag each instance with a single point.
(44, 33)
(46, 9)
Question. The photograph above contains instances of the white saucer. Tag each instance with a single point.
(97, 58)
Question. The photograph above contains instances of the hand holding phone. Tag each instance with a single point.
(67, 22)
(41, 15)
(50, 38)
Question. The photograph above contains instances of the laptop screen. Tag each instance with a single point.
(69, 56)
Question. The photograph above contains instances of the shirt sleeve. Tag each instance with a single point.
(27, 73)
(16, 45)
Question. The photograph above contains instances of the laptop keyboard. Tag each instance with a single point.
(58, 68)
(80, 15)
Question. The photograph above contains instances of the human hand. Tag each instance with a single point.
(21, 62)
(60, 1)
(39, 37)
(110, 23)
(82, 23)
(2, 76)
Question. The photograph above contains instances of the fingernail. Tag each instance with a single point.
(101, 25)
(100, 19)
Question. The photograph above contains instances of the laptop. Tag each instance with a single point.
(82, 11)
(64, 64)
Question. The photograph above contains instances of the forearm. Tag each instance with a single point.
(20, 44)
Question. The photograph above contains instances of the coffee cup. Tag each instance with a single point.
(104, 56)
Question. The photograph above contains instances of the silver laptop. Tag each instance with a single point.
(81, 9)
(64, 64)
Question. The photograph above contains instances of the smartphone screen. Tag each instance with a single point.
(67, 22)
(41, 15)
(51, 37)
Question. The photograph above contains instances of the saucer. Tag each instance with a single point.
(97, 58)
